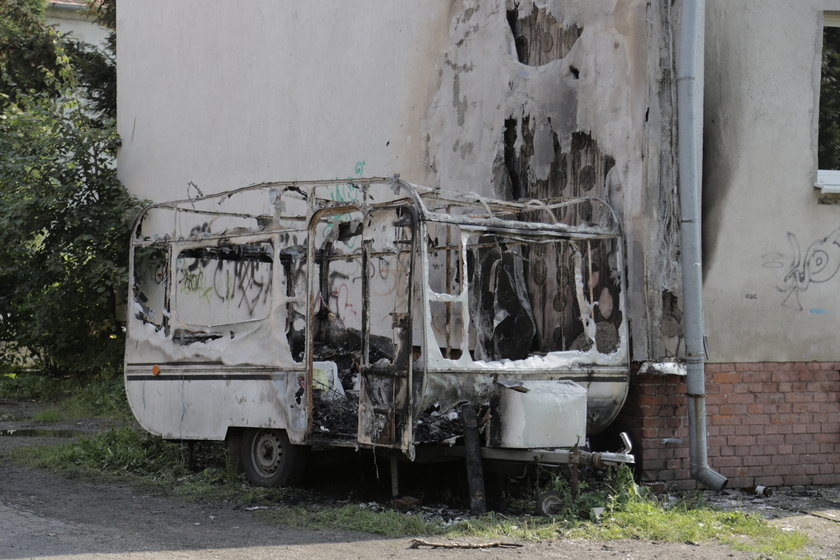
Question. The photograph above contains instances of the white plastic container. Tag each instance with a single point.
(549, 414)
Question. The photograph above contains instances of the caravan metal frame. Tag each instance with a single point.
(366, 312)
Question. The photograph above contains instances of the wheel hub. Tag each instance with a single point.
(268, 453)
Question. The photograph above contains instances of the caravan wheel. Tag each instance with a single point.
(549, 503)
(269, 459)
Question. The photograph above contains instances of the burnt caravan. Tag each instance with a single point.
(370, 313)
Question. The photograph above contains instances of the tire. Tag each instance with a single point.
(269, 459)
(549, 503)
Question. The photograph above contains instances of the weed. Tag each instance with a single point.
(98, 397)
(610, 489)
(122, 450)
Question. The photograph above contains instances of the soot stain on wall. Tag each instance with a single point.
(559, 99)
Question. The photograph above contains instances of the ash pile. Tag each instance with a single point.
(434, 425)
(335, 415)
(335, 399)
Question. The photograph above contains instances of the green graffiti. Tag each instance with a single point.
(347, 192)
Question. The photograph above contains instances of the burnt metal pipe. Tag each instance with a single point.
(475, 470)
(690, 115)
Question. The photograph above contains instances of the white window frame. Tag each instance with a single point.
(828, 180)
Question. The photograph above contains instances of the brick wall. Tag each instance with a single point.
(770, 424)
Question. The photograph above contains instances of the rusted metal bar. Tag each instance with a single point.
(448, 306)
(395, 476)
(270, 184)
(475, 470)
(550, 457)
(589, 279)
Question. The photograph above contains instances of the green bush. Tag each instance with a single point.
(64, 226)
(64, 216)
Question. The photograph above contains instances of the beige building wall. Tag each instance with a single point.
(771, 246)
(225, 94)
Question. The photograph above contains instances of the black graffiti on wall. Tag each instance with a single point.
(236, 275)
(819, 263)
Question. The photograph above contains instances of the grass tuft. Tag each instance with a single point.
(48, 415)
(650, 520)
(98, 397)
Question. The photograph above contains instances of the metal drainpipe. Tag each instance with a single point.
(690, 115)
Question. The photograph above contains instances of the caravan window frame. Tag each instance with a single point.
(178, 248)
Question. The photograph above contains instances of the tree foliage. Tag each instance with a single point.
(30, 51)
(96, 69)
(27, 50)
(64, 219)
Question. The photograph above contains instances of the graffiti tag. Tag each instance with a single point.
(819, 263)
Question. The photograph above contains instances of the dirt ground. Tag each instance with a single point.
(43, 515)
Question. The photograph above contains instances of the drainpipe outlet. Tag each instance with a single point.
(710, 478)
